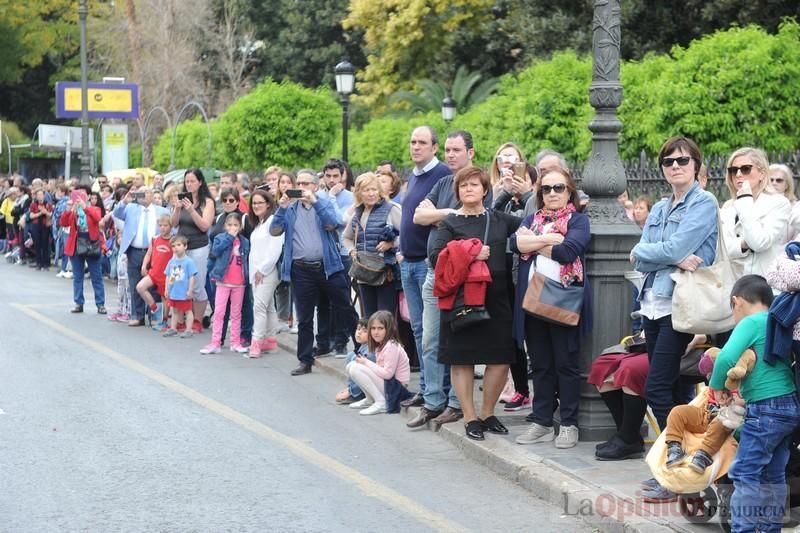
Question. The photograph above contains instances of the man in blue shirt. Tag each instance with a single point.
(311, 259)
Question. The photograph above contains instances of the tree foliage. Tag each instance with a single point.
(467, 90)
(191, 146)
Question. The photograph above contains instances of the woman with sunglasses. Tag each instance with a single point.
(553, 242)
(679, 233)
(755, 221)
(782, 180)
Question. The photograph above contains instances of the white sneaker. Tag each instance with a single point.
(567, 437)
(293, 330)
(67, 275)
(283, 326)
(361, 404)
(209, 349)
(535, 434)
(374, 409)
(60, 274)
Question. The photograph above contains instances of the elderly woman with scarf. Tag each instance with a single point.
(553, 242)
(84, 247)
(488, 342)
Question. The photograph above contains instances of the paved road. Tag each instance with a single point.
(109, 428)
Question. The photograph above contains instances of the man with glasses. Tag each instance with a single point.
(311, 260)
(141, 225)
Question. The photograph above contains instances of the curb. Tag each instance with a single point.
(540, 476)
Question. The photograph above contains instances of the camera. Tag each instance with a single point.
(294, 193)
(138, 196)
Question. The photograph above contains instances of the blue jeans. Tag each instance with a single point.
(665, 348)
(79, 262)
(759, 470)
(355, 390)
(413, 275)
(381, 298)
(308, 284)
(438, 393)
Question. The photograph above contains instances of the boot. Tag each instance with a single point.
(700, 461)
(675, 453)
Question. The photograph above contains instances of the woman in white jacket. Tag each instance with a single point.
(755, 221)
(265, 250)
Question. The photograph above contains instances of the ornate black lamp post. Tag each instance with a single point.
(345, 79)
(83, 11)
(612, 235)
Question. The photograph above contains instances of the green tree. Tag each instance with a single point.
(191, 146)
(467, 90)
(278, 124)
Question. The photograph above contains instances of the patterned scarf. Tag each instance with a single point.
(82, 226)
(557, 222)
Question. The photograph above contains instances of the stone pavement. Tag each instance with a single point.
(605, 494)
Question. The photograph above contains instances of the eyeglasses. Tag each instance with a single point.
(304, 183)
(777, 180)
(558, 189)
(230, 201)
(682, 161)
(259, 203)
(510, 159)
(745, 170)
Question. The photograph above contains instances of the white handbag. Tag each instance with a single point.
(701, 302)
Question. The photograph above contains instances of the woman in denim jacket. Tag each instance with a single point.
(680, 232)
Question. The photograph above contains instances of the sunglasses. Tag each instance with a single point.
(682, 161)
(229, 201)
(511, 159)
(745, 170)
(776, 180)
(558, 189)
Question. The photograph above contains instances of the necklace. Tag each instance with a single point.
(462, 211)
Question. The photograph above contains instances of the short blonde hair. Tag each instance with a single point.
(788, 178)
(363, 181)
(760, 161)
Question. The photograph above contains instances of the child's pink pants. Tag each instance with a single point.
(236, 296)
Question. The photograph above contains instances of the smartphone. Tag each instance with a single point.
(294, 193)
(184, 196)
(79, 195)
(138, 196)
(520, 168)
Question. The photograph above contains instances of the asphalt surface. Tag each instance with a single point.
(109, 428)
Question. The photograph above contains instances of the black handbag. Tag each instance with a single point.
(368, 268)
(86, 247)
(466, 316)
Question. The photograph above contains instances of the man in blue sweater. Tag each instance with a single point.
(428, 170)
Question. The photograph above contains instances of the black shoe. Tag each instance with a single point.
(423, 416)
(320, 352)
(493, 425)
(77, 309)
(301, 369)
(675, 454)
(618, 450)
(414, 401)
(700, 462)
(474, 430)
(530, 418)
(206, 322)
(340, 351)
(351, 399)
(101, 310)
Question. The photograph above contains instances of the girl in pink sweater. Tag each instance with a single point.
(391, 363)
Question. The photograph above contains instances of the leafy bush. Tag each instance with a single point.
(387, 138)
(278, 124)
(191, 145)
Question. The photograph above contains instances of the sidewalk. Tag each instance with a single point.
(605, 494)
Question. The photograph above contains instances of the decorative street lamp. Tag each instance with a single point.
(448, 109)
(345, 79)
(83, 11)
(612, 235)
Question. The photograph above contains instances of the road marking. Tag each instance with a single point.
(367, 485)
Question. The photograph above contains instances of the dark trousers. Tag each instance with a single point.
(381, 298)
(332, 326)
(41, 244)
(308, 284)
(135, 260)
(556, 370)
(665, 348)
(519, 373)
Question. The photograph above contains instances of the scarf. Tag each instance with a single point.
(558, 222)
(82, 226)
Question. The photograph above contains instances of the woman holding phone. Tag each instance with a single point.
(193, 216)
(83, 247)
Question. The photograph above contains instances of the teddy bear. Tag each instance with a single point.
(731, 416)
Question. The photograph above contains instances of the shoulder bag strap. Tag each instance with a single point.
(486, 233)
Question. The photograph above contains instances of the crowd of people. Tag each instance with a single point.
(460, 254)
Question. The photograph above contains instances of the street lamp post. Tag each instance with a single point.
(612, 235)
(448, 109)
(83, 11)
(345, 79)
